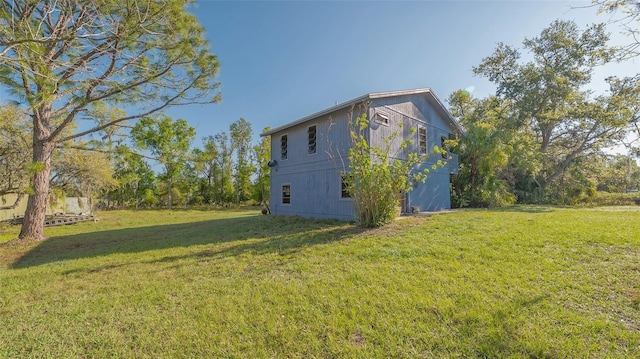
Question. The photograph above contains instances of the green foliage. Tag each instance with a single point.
(206, 163)
(61, 58)
(484, 152)
(156, 50)
(15, 151)
(532, 140)
(224, 191)
(109, 137)
(375, 179)
(241, 133)
(225, 165)
(614, 199)
(262, 183)
(617, 173)
(134, 177)
(149, 198)
(82, 173)
(35, 167)
(168, 141)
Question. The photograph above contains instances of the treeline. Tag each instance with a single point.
(155, 163)
(226, 169)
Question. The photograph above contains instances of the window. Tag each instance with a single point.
(311, 139)
(286, 194)
(422, 141)
(382, 118)
(344, 186)
(283, 147)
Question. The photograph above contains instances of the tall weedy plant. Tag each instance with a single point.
(376, 180)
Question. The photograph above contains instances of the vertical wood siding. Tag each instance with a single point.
(315, 179)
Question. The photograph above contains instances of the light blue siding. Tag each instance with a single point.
(315, 179)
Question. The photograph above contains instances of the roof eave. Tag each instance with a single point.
(316, 115)
(370, 96)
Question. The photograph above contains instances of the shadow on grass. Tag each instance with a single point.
(527, 208)
(279, 234)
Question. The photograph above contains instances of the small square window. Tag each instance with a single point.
(283, 147)
(382, 118)
(422, 140)
(286, 194)
(311, 139)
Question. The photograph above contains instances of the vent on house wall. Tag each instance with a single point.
(382, 118)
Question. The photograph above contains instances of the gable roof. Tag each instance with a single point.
(434, 100)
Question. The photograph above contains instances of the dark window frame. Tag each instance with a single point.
(284, 147)
(286, 195)
(344, 192)
(312, 140)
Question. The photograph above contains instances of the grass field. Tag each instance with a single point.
(527, 282)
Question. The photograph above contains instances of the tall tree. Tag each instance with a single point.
(262, 155)
(548, 100)
(484, 151)
(241, 133)
(168, 141)
(59, 57)
(206, 164)
(134, 177)
(224, 184)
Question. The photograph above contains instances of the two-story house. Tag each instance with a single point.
(309, 156)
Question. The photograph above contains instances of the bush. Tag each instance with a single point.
(376, 180)
(615, 199)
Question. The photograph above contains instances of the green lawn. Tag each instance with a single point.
(528, 282)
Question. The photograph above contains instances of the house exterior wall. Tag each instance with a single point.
(314, 180)
(413, 112)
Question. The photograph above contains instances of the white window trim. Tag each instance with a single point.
(383, 115)
(282, 197)
(426, 140)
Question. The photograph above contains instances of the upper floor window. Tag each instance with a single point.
(311, 139)
(382, 118)
(283, 147)
(422, 141)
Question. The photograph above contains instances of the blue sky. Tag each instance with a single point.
(281, 61)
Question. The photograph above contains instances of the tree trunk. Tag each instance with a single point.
(169, 199)
(34, 217)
